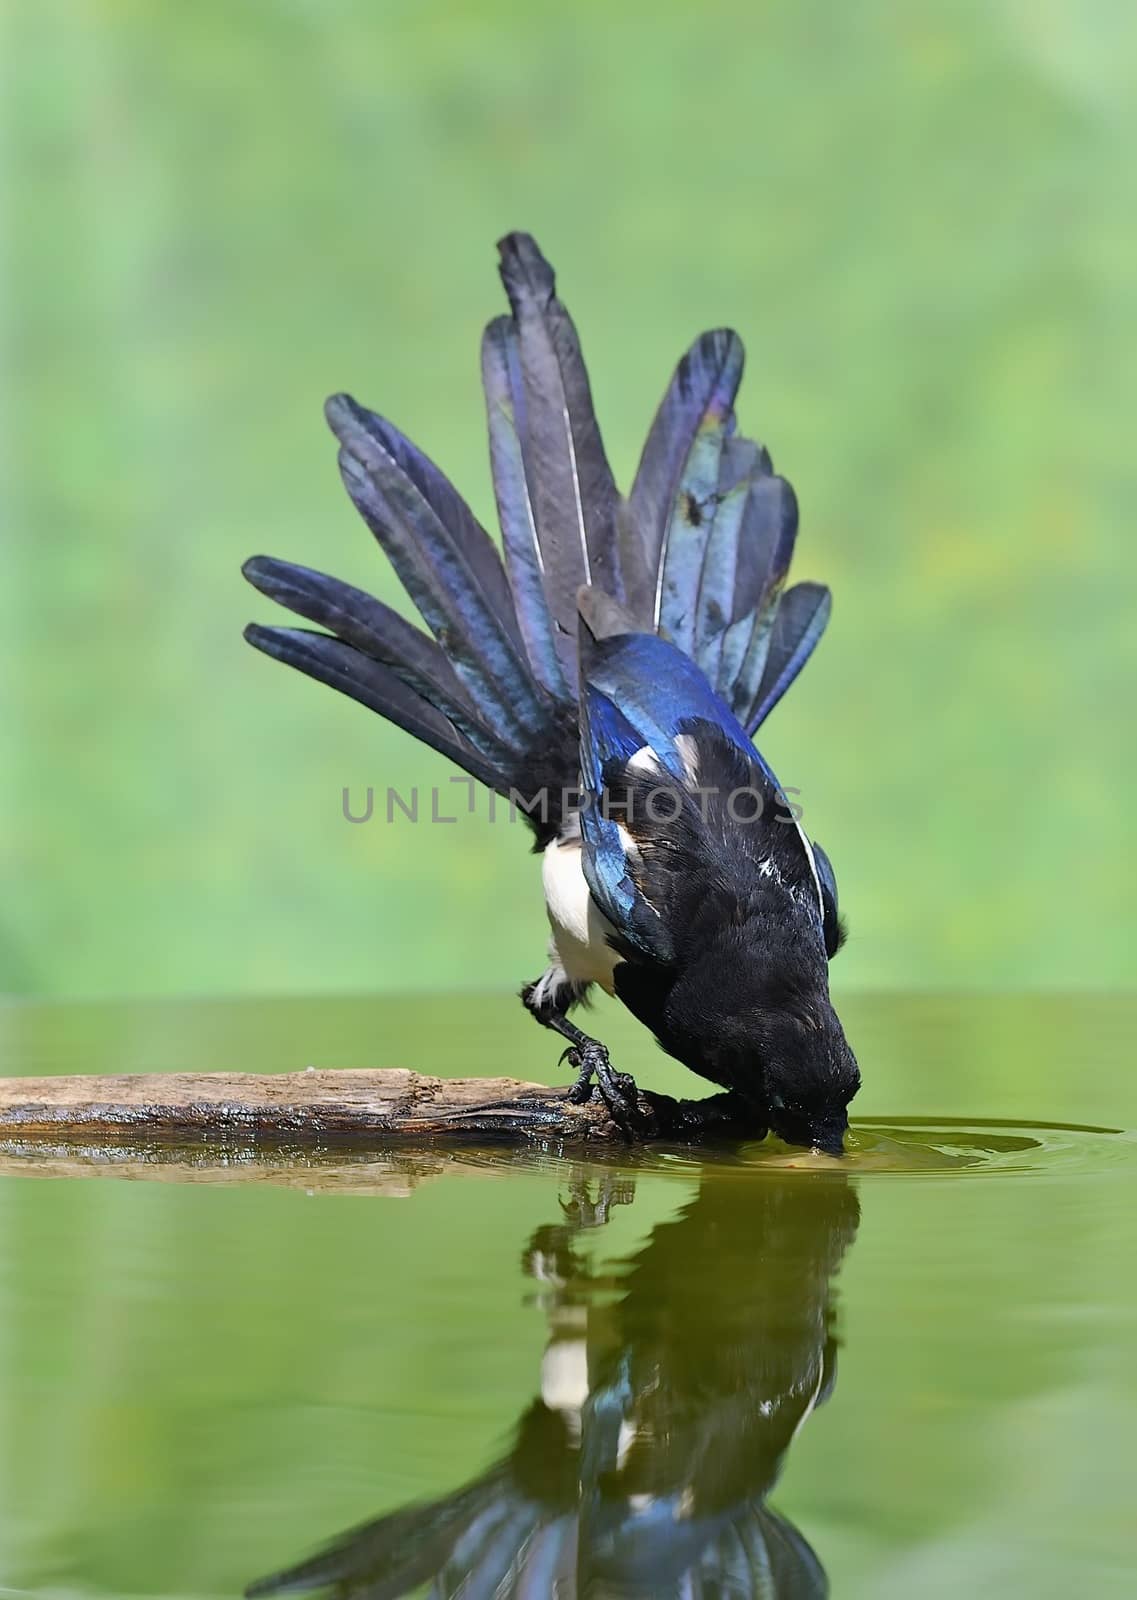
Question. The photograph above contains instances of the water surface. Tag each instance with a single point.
(665, 1373)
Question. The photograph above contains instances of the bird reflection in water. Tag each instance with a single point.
(671, 1390)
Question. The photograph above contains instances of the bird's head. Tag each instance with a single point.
(810, 1074)
(764, 1028)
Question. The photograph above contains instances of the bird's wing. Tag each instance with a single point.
(608, 743)
(827, 884)
(662, 694)
(651, 728)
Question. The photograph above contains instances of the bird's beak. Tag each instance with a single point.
(827, 1139)
(828, 1147)
(830, 1141)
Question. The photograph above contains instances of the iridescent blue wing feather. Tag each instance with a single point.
(607, 742)
(643, 697)
(662, 694)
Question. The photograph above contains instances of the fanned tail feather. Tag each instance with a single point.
(363, 622)
(356, 675)
(449, 567)
(769, 529)
(572, 492)
(492, 1542)
(799, 624)
(396, 1554)
(720, 585)
(379, 446)
(505, 413)
(715, 529)
(698, 552)
(490, 1538)
(672, 500)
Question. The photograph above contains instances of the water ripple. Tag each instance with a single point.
(909, 1145)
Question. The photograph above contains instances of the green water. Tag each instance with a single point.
(913, 1374)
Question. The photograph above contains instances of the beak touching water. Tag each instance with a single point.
(830, 1142)
(822, 1138)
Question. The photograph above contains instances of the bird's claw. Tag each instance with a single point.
(583, 1063)
(618, 1089)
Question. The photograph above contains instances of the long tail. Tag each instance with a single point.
(490, 1542)
(482, 1541)
(698, 552)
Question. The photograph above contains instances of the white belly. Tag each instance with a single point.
(579, 929)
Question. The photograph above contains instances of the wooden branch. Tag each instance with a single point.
(378, 1106)
(312, 1129)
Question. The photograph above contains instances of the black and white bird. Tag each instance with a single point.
(671, 1392)
(608, 678)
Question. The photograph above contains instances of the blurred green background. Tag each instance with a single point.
(919, 218)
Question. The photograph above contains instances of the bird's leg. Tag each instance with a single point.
(581, 1211)
(548, 999)
(587, 1056)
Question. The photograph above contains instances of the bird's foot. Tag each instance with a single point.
(617, 1089)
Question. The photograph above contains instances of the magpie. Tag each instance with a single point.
(607, 678)
(669, 1398)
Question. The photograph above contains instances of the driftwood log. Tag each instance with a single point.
(315, 1129)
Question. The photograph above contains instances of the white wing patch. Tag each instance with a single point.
(688, 747)
(645, 760)
(575, 919)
